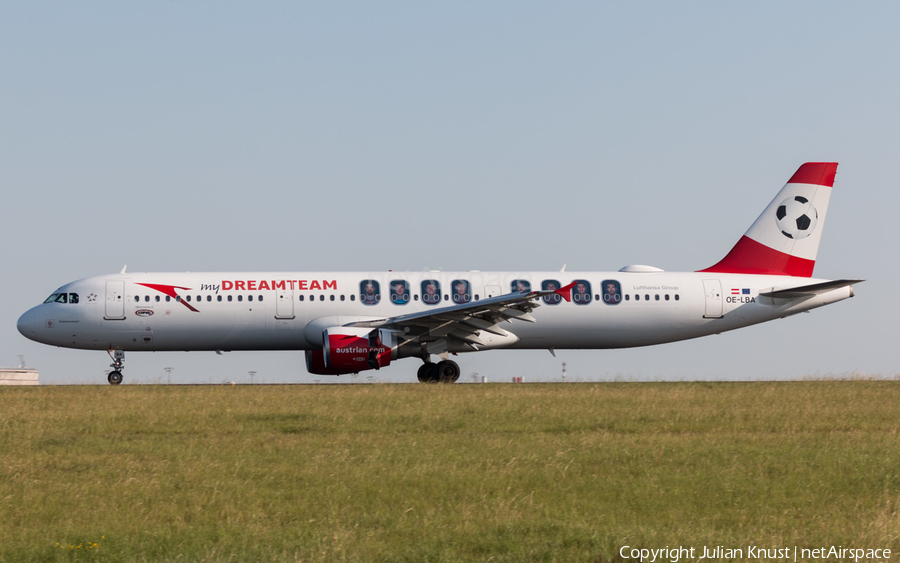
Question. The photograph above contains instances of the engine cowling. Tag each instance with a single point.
(351, 350)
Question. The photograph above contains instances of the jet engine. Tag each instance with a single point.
(352, 350)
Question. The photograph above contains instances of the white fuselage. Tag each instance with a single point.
(256, 311)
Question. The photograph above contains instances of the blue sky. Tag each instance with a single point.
(507, 136)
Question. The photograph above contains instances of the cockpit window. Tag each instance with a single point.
(52, 298)
(61, 298)
(73, 298)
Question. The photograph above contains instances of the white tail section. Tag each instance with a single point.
(784, 240)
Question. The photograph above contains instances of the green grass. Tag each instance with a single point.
(537, 472)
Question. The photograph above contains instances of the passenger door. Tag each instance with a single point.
(284, 302)
(714, 301)
(115, 300)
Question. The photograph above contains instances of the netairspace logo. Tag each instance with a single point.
(752, 552)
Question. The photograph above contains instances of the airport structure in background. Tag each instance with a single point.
(21, 375)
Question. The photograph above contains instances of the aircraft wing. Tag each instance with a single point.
(807, 290)
(461, 326)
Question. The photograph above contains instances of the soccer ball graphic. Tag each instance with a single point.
(796, 217)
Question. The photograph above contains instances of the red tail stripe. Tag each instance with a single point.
(818, 173)
(751, 257)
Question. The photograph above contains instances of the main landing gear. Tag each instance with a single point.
(446, 371)
(115, 376)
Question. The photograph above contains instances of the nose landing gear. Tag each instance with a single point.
(118, 357)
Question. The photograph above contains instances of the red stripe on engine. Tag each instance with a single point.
(751, 257)
(818, 173)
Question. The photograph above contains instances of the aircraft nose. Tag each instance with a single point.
(26, 324)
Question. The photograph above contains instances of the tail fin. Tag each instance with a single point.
(784, 240)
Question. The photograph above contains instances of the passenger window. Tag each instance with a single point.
(369, 292)
(627, 297)
(352, 297)
(168, 298)
(331, 297)
(399, 292)
(157, 298)
(178, 299)
(612, 292)
(188, 298)
(219, 298)
(676, 297)
(301, 298)
(431, 292)
(551, 285)
(73, 298)
(321, 298)
(520, 286)
(637, 296)
(646, 297)
(667, 297)
(657, 297)
(208, 298)
(581, 293)
(240, 298)
(462, 292)
(229, 299)
(342, 297)
(137, 299)
(249, 298)
(146, 298)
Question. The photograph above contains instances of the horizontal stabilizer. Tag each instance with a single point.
(808, 290)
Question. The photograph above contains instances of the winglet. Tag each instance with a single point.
(566, 292)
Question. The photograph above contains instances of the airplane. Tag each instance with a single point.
(348, 322)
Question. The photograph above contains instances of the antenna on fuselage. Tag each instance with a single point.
(123, 269)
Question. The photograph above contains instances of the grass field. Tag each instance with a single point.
(536, 472)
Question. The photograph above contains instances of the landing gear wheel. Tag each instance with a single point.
(428, 373)
(448, 371)
(118, 358)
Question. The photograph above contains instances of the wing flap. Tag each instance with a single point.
(465, 325)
